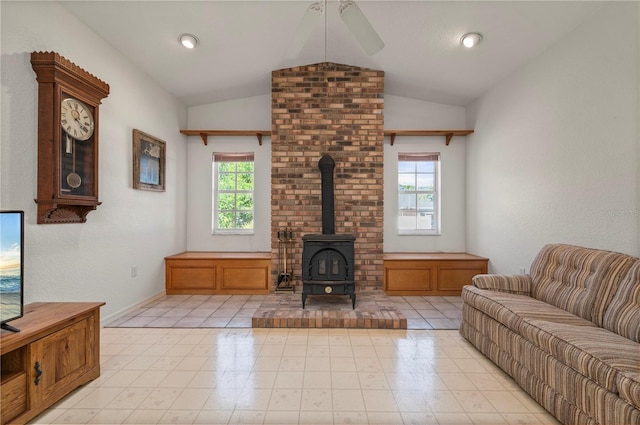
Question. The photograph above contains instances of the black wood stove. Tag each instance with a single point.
(328, 259)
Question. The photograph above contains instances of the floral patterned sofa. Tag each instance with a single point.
(568, 333)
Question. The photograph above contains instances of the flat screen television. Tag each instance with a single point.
(11, 267)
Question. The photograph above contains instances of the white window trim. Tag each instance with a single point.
(437, 201)
(214, 206)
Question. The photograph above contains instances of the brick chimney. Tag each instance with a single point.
(332, 109)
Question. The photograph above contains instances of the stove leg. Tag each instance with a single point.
(304, 299)
(353, 300)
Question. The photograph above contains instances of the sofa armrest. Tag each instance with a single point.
(513, 284)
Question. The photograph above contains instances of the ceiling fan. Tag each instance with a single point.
(351, 15)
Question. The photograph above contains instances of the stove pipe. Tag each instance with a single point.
(326, 165)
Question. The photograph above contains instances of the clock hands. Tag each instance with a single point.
(76, 119)
(75, 114)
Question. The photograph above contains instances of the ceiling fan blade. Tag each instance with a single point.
(360, 27)
(305, 27)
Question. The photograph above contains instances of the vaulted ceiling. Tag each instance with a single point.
(241, 42)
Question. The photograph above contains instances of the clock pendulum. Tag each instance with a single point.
(73, 179)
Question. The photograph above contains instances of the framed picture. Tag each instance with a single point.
(148, 162)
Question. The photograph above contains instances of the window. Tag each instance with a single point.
(418, 194)
(233, 183)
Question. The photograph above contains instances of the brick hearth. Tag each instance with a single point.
(373, 311)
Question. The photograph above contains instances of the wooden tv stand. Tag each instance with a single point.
(56, 351)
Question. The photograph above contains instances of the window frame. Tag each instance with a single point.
(225, 157)
(435, 158)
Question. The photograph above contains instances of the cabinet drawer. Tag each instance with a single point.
(13, 396)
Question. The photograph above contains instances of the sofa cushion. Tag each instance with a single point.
(629, 387)
(623, 313)
(579, 280)
(594, 352)
(510, 309)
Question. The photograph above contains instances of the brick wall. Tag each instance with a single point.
(333, 109)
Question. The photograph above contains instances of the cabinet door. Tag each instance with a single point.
(453, 276)
(59, 360)
(191, 277)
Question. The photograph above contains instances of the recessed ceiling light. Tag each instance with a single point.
(188, 40)
(471, 39)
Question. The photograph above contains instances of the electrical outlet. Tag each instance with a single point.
(134, 271)
(523, 270)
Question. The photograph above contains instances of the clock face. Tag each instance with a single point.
(77, 147)
(76, 119)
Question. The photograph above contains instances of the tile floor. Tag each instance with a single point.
(294, 376)
(236, 311)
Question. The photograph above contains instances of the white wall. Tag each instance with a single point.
(410, 114)
(555, 153)
(90, 261)
(241, 114)
(255, 113)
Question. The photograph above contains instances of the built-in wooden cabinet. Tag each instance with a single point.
(56, 351)
(210, 273)
(430, 273)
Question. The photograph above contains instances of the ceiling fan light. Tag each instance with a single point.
(360, 27)
(471, 39)
(188, 40)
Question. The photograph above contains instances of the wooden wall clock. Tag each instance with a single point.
(68, 103)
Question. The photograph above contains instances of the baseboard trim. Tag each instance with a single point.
(104, 320)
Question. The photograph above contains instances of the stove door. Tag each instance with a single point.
(328, 264)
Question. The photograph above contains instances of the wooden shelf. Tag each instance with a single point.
(448, 134)
(204, 134)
